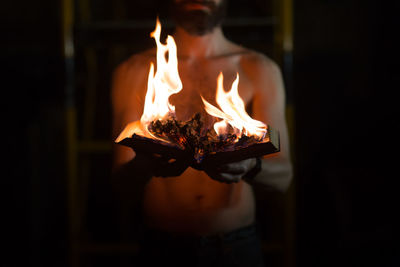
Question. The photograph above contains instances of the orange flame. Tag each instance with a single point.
(164, 83)
(233, 112)
(160, 86)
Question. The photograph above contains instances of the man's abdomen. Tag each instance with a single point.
(194, 203)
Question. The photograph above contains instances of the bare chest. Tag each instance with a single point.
(200, 80)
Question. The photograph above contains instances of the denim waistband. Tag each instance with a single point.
(154, 235)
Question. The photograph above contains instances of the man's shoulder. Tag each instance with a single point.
(130, 75)
(136, 63)
(262, 71)
(256, 62)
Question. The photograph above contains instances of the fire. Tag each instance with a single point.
(165, 81)
(233, 112)
(160, 86)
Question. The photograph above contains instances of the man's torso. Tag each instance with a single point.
(193, 202)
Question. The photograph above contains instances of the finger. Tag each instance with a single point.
(225, 177)
(240, 167)
(230, 177)
(233, 168)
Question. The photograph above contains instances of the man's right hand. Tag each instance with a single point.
(166, 166)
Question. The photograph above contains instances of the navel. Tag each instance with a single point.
(199, 197)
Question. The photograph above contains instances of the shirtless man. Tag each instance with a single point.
(218, 201)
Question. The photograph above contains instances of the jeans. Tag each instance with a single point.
(241, 247)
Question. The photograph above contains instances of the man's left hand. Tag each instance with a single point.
(231, 172)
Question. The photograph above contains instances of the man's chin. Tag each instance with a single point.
(197, 31)
(197, 22)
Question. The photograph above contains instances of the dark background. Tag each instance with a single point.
(344, 93)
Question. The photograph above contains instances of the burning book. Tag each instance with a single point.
(192, 145)
(234, 136)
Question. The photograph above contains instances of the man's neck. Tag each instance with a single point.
(204, 46)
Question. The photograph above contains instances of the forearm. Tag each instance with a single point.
(275, 175)
(130, 179)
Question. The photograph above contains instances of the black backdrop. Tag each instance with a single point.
(345, 81)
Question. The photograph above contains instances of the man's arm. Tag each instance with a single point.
(269, 107)
(130, 172)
